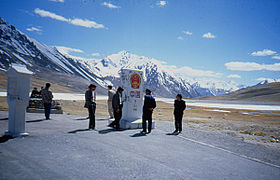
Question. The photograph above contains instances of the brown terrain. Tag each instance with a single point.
(257, 127)
(251, 126)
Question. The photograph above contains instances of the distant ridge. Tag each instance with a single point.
(262, 92)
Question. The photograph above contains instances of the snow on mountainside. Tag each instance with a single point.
(16, 47)
(158, 77)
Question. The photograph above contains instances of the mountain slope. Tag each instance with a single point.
(269, 92)
(45, 61)
(50, 63)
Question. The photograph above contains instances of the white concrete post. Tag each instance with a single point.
(18, 78)
(132, 82)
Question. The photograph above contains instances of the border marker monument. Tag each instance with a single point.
(132, 81)
(18, 79)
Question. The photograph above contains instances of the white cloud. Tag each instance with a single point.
(34, 29)
(233, 76)
(86, 23)
(180, 38)
(270, 80)
(110, 5)
(95, 54)
(276, 57)
(66, 50)
(187, 33)
(57, 1)
(76, 21)
(186, 71)
(44, 13)
(251, 66)
(161, 3)
(208, 35)
(265, 52)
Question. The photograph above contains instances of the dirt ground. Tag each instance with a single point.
(252, 126)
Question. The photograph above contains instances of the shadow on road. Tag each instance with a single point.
(4, 119)
(172, 134)
(138, 135)
(78, 130)
(5, 138)
(105, 131)
(37, 120)
(87, 118)
(82, 119)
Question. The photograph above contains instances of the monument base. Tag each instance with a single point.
(137, 124)
(8, 133)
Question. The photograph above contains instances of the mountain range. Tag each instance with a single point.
(54, 64)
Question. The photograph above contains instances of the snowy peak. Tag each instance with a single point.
(16, 47)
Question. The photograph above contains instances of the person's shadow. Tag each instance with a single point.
(5, 138)
(37, 120)
(78, 130)
(140, 134)
(172, 134)
(106, 131)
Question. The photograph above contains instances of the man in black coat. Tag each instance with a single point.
(90, 97)
(179, 107)
(117, 108)
(148, 108)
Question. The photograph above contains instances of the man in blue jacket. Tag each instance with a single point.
(148, 108)
(90, 97)
(117, 104)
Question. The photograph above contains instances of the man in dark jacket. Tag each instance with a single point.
(90, 97)
(47, 100)
(148, 108)
(117, 108)
(179, 107)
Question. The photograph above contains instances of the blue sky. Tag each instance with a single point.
(222, 39)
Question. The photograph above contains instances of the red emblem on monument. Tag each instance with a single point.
(135, 81)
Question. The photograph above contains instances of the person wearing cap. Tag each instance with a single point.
(179, 107)
(148, 108)
(111, 93)
(90, 97)
(117, 107)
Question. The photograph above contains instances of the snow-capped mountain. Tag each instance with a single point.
(16, 47)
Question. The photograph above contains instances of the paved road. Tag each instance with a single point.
(62, 148)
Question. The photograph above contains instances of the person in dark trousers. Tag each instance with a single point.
(117, 108)
(47, 100)
(179, 107)
(148, 108)
(90, 97)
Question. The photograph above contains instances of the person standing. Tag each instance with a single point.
(117, 105)
(110, 99)
(90, 97)
(47, 100)
(148, 108)
(179, 107)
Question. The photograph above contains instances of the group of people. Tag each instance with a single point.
(35, 93)
(115, 105)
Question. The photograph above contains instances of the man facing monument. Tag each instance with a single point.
(117, 107)
(148, 108)
(47, 100)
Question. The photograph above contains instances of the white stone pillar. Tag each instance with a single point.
(18, 87)
(132, 81)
